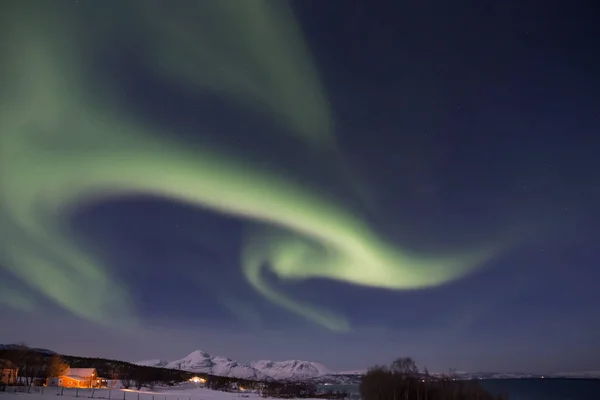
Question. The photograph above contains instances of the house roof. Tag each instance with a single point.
(80, 372)
(77, 378)
(7, 364)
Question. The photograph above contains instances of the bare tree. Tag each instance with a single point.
(380, 383)
(404, 365)
(452, 373)
(56, 366)
(426, 388)
(113, 374)
(126, 382)
(30, 363)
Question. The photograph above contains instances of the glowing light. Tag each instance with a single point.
(65, 141)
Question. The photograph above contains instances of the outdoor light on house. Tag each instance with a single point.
(197, 379)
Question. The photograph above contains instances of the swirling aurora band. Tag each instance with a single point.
(65, 144)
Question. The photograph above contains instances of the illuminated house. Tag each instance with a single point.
(8, 372)
(197, 379)
(78, 378)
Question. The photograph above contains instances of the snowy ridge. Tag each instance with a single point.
(355, 372)
(296, 370)
(18, 346)
(153, 363)
(291, 369)
(202, 362)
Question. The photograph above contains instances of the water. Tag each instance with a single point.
(546, 389)
(527, 389)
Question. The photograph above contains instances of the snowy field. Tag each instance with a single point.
(183, 393)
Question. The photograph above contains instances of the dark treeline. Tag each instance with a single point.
(277, 389)
(297, 390)
(34, 367)
(403, 381)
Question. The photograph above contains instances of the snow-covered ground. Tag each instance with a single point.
(179, 393)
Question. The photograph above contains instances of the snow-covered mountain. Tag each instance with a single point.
(202, 362)
(153, 363)
(20, 346)
(359, 372)
(290, 370)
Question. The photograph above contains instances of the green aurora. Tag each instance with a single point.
(65, 142)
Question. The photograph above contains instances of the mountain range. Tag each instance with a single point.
(15, 346)
(295, 370)
(202, 362)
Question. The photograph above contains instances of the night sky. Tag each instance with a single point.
(447, 128)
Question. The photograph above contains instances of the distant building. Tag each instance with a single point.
(78, 378)
(8, 372)
(197, 379)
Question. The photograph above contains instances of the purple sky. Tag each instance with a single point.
(465, 120)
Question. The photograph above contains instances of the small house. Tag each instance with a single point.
(8, 372)
(197, 379)
(77, 378)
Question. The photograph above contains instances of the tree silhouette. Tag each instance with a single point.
(404, 365)
(402, 381)
(56, 366)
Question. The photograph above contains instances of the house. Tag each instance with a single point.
(197, 379)
(8, 372)
(78, 378)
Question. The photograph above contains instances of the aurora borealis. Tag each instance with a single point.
(74, 139)
(113, 155)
